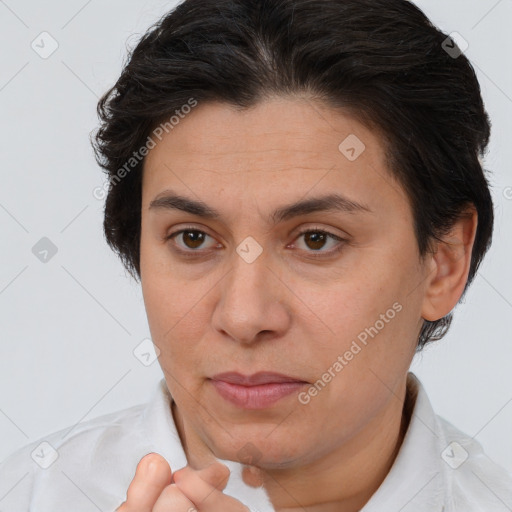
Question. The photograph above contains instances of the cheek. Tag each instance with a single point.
(178, 319)
(370, 319)
(359, 367)
(167, 296)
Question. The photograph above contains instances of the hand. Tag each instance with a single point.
(155, 488)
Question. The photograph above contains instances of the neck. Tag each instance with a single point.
(342, 481)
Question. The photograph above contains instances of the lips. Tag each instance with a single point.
(255, 379)
(258, 391)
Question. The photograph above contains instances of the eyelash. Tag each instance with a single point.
(315, 254)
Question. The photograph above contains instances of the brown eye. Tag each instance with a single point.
(190, 243)
(315, 239)
(193, 239)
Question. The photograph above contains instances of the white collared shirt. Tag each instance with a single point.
(438, 468)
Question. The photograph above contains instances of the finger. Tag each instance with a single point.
(173, 500)
(153, 473)
(252, 476)
(204, 494)
(216, 474)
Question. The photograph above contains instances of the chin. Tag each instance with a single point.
(260, 449)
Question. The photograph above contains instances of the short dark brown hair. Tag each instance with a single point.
(381, 60)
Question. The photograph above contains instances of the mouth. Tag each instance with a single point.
(258, 391)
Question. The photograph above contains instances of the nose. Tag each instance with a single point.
(251, 305)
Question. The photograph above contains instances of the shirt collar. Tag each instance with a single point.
(417, 479)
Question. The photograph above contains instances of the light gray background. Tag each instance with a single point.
(69, 326)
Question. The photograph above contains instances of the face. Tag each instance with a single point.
(338, 308)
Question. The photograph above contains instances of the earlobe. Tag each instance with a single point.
(450, 265)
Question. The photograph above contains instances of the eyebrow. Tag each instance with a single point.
(169, 200)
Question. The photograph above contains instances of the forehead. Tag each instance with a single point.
(281, 147)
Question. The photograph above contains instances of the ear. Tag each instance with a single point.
(449, 267)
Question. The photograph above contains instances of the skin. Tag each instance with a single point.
(286, 311)
(155, 488)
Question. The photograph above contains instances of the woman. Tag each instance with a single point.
(297, 186)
